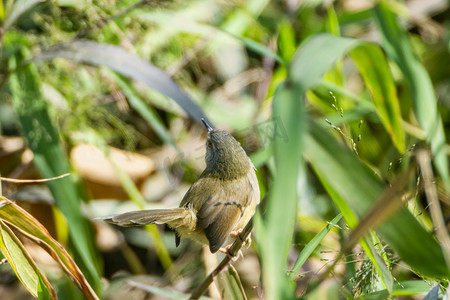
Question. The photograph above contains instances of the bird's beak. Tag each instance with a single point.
(209, 128)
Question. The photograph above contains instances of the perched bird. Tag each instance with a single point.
(220, 202)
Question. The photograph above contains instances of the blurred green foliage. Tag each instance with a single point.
(330, 99)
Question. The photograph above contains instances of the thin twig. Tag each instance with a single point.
(386, 205)
(424, 161)
(32, 180)
(232, 252)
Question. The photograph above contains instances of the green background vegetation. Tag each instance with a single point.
(342, 107)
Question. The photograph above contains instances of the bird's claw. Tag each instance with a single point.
(233, 258)
(237, 234)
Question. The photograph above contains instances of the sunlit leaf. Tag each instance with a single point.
(31, 228)
(412, 287)
(312, 245)
(375, 71)
(23, 264)
(398, 48)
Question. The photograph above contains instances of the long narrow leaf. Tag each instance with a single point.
(22, 263)
(275, 242)
(343, 174)
(30, 227)
(42, 138)
(399, 49)
(376, 74)
(312, 245)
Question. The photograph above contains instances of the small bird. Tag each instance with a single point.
(219, 203)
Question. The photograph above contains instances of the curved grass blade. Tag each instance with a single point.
(43, 139)
(413, 287)
(31, 228)
(396, 43)
(127, 64)
(312, 245)
(377, 76)
(23, 264)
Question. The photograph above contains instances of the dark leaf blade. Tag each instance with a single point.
(127, 64)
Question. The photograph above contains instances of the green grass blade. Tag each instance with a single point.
(312, 245)
(413, 287)
(377, 76)
(16, 216)
(286, 40)
(2, 12)
(314, 58)
(397, 46)
(275, 243)
(342, 174)
(230, 285)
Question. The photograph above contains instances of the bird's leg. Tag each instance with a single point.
(237, 235)
(226, 250)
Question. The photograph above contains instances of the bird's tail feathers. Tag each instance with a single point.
(173, 217)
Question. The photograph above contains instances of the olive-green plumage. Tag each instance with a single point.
(222, 200)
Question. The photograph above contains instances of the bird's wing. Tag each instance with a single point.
(220, 207)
